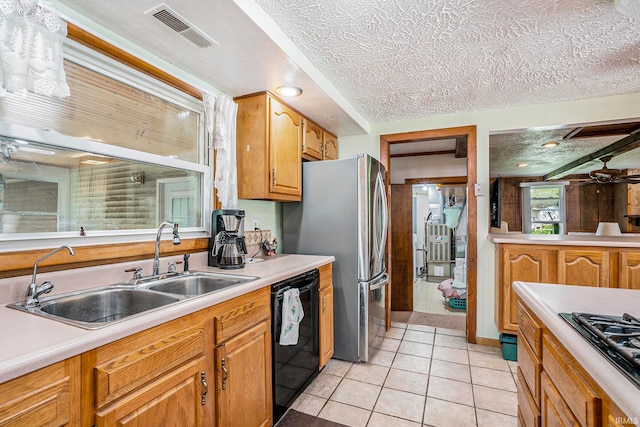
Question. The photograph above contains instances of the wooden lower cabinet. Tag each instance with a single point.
(555, 264)
(568, 394)
(555, 412)
(583, 267)
(211, 367)
(525, 264)
(325, 300)
(47, 397)
(177, 399)
(326, 325)
(243, 379)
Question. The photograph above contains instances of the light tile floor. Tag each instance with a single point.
(422, 376)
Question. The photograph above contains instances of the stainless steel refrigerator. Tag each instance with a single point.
(344, 213)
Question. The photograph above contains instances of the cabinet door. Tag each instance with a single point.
(326, 325)
(555, 412)
(243, 379)
(583, 268)
(312, 147)
(526, 264)
(177, 399)
(47, 397)
(630, 270)
(285, 149)
(330, 143)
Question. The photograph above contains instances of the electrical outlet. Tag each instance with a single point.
(255, 224)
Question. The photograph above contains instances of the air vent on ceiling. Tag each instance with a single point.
(180, 25)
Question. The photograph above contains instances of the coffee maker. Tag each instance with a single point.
(227, 246)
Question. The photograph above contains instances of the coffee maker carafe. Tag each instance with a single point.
(227, 247)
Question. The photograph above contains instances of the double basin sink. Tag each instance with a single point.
(98, 307)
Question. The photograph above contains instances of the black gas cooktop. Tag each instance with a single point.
(617, 338)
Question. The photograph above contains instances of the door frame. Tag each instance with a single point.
(472, 219)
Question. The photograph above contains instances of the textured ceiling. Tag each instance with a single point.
(362, 62)
(399, 59)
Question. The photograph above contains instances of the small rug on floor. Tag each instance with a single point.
(295, 419)
(429, 319)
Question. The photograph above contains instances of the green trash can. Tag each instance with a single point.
(509, 345)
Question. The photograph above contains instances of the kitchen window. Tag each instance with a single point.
(543, 210)
(122, 154)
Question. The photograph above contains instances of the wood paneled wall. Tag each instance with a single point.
(586, 205)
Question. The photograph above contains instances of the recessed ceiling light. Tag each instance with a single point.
(93, 162)
(288, 90)
(550, 144)
(37, 151)
(523, 165)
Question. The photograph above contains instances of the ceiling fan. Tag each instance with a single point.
(607, 175)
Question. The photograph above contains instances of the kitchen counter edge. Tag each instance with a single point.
(32, 342)
(565, 240)
(547, 301)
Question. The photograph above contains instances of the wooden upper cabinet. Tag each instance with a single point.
(268, 149)
(330, 144)
(312, 141)
(318, 144)
(583, 267)
(629, 270)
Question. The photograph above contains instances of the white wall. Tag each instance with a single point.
(545, 115)
(426, 167)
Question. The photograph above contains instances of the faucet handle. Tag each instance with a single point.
(137, 272)
(172, 266)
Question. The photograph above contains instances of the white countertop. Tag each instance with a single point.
(630, 241)
(29, 342)
(546, 301)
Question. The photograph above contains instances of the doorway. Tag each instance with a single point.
(401, 290)
(439, 222)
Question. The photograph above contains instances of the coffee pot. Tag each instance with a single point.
(227, 246)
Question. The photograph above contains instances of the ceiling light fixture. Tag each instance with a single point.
(288, 90)
(37, 151)
(523, 165)
(630, 8)
(550, 144)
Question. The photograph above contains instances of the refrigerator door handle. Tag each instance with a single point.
(377, 283)
(380, 201)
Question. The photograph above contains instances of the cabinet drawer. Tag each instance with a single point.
(579, 396)
(554, 409)
(530, 367)
(527, 407)
(47, 397)
(132, 369)
(530, 330)
(241, 313)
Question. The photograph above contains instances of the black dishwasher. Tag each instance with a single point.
(294, 366)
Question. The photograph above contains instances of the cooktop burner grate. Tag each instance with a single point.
(617, 338)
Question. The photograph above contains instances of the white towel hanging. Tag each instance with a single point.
(292, 315)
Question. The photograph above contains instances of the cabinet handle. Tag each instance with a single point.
(203, 379)
(324, 305)
(226, 374)
(273, 174)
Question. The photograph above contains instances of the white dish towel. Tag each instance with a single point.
(292, 314)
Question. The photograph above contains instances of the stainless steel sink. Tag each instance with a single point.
(197, 283)
(98, 307)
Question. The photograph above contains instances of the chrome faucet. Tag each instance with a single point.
(176, 241)
(36, 290)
